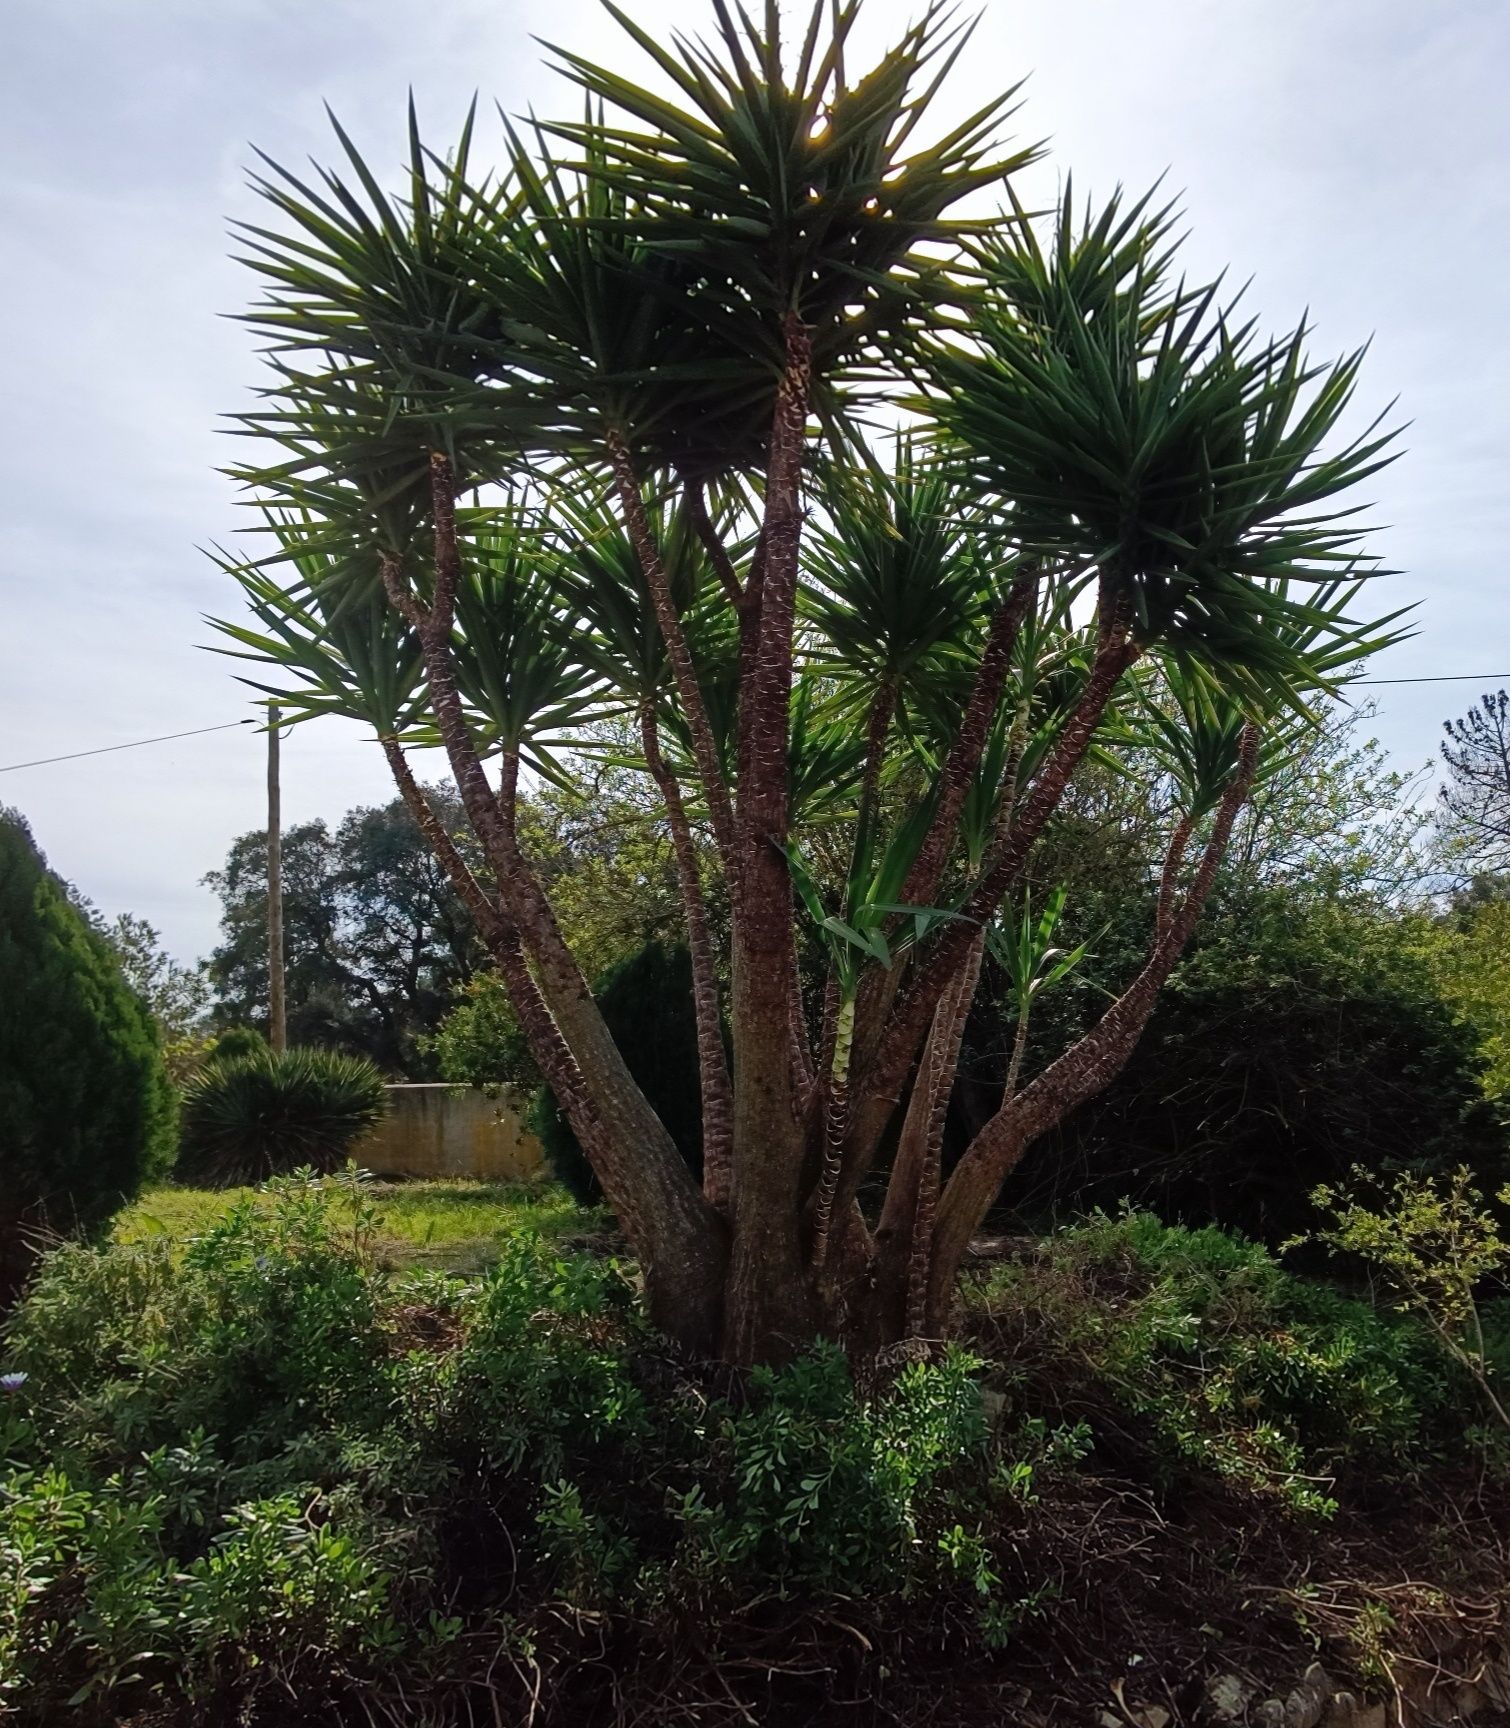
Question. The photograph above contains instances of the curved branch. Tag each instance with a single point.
(1083, 1070)
(704, 747)
(886, 1068)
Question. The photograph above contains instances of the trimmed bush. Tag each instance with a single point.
(237, 1042)
(257, 1116)
(86, 1108)
(647, 1005)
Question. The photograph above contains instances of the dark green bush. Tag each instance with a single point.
(237, 1042)
(1295, 1041)
(86, 1109)
(647, 1004)
(251, 1117)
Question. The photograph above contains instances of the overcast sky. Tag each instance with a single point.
(1352, 157)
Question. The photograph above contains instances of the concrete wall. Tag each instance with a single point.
(453, 1131)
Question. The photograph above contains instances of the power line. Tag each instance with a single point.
(135, 744)
(231, 725)
(1446, 678)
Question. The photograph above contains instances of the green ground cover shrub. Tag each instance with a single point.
(248, 1455)
(264, 1114)
(1284, 1387)
(261, 1457)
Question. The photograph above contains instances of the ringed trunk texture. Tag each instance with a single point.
(1084, 1070)
(704, 749)
(713, 1068)
(769, 1310)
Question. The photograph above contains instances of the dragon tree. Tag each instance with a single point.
(751, 420)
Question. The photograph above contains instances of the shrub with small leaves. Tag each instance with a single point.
(1436, 1243)
(1279, 1385)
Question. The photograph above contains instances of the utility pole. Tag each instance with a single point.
(277, 1019)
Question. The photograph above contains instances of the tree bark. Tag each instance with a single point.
(886, 1066)
(704, 746)
(713, 1068)
(969, 745)
(1085, 1069)
(769, 1309)
(674, 1231)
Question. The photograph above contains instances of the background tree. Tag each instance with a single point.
(376, 941)
(583, 440)
(1309, 1027)
(1476, 793)
(177, 996)
(86, 1111)
(1468, 955)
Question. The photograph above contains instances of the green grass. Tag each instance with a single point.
(457, 1226)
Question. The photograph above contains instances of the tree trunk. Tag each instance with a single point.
(713, 1068)
(676, 1233)
(769, 1310)
(1084, 1070)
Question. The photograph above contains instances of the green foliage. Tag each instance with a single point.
(270, 1113)
(480, 1042)
(237, 1043)
(184, 1417)
(86, 1109)
(1436, 1244)
(1300, 1035)
(376, 942)
(1284, 1388)
(260, 1460)
(647, 1005)
(1469, 959)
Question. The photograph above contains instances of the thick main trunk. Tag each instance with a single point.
(769, 1307)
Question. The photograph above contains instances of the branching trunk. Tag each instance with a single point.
(904, 1236)
(970, 742)
(675, 1231)
(886, 1067)
(1081, 1072)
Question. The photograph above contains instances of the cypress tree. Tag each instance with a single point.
(87, 1112)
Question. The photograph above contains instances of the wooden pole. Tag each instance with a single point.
(277, 1016)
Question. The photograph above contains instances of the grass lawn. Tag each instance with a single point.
(456, 1226)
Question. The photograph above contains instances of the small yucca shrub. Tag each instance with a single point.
(251, 1117)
